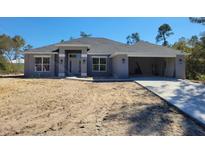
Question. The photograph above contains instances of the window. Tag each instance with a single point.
(99, 64)
(42, 64)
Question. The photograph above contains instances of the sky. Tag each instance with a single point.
(44, 31)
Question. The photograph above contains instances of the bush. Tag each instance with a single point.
(9, 68)
(3, 64)
(195, 65)
(201, 77)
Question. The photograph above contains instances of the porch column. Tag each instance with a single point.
(84, 63)
(61, 63)
(180, 66)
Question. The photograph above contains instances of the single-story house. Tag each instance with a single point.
(104, 57)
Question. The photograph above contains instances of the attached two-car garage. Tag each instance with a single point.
(146, 59)
(124, 66)
(151, 66)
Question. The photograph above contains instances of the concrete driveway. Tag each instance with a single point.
(185, 95)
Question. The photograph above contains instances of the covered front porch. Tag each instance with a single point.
(71, 60)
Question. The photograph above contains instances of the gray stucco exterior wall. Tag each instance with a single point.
(180, 67)
(61, 64)
(29, 69)
(120, 66)
(83, 66)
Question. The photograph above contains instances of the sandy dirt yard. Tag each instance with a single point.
(66, 107)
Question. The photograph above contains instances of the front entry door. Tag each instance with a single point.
(74, 64)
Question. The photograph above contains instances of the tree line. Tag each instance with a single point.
(195, 49)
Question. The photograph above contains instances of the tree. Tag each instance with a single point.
(164, 31)
(195, 60)
(83, 34)
(11, 47)
(28, 47)
(182, 45)
(200, 20)
(6, 46)
(193, 41)
(5, 43)
(133, 38)
(18, 44)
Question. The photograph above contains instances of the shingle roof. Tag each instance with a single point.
(107, 46)
(143, 48)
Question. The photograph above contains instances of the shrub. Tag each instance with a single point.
(201, 77)
(9, 68)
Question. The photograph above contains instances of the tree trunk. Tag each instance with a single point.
(164, 38)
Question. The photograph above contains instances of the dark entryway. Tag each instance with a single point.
(147, 66)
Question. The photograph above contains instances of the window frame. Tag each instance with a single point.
(99, 64)
(42, 63)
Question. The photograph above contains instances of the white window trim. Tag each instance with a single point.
(40, 56)
(43, 56)
(99, 57)
(40, 53)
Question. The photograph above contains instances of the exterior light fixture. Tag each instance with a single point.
(123, 60)
(180, 61)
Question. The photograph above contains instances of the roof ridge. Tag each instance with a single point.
(108, 39)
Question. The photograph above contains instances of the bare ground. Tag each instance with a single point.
(65, 107)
